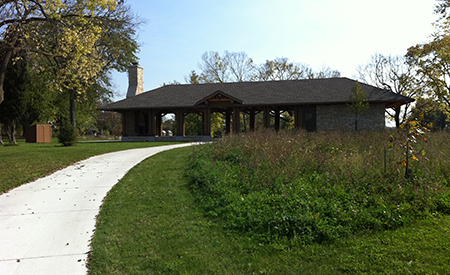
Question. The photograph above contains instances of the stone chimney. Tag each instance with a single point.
(135, 80)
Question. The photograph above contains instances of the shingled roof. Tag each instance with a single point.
(289, 92)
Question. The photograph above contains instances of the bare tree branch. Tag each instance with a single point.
(392, 73)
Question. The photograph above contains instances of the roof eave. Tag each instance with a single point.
(398, 103)
(388, 104)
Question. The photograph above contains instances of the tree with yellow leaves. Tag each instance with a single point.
(22, 22)
(432, 60)
(78, 41)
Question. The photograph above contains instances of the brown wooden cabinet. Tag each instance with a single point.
(39, 133)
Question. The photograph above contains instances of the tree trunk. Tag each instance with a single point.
(28, 118)
(397, 117)
(3, 66)
(10, 128)
(1, 141)
(73, 119)
(4, 62)
(25, 125)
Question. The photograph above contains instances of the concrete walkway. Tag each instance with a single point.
(46, 225)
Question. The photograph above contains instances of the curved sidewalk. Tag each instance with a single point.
(46, 225)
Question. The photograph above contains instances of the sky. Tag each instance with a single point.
(341, 34)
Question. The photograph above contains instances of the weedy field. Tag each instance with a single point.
(300, 188)
(292, 203)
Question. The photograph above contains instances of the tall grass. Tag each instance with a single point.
(314, 187)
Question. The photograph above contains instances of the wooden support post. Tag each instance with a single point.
(183, 124)
(207, 121)
(228, 122)
(228, 129)
(266, 117)
(158, 131)
(179, 117)
(252, 120)
(277, 120)
(298, 117)
(147, 123)
(124, 123)
(152, 122)
(236, 120)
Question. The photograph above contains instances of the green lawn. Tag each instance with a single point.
(27, 161)
(150, 224)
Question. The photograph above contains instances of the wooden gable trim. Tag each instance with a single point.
(218, 96)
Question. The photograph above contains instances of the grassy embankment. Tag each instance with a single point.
(266, 204)
(28, 161)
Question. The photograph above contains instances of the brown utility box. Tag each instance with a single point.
(39, 133)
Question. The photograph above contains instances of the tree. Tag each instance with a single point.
(193, 78)
(432, 59)
(14, 105)
(39, 100)
(193, 124)
(27, 98)
(433, 62)
(394, 74)
(26, 24)
(67, 135)
(358, 103)
(239, 65)
(325, 72)
(174, 82)
(213, 68)
(282, 69)
(430, 114)
(72, 46)
(109, 122)
(442, 9)
(77, 66)
(117, 44)
(231, 67)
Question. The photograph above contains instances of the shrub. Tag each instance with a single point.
(314, 187)
(443, 203)
(67, 134)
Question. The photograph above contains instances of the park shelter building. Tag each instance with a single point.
(316, 104)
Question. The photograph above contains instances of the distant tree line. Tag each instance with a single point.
(239, 67)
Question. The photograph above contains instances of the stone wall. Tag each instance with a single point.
(340, 118)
